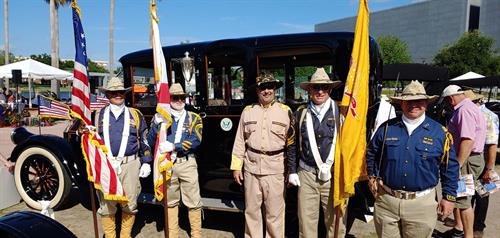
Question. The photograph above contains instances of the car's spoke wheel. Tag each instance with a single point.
(39, 175)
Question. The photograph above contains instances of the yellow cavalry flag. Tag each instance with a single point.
(161, 161)
(350, 162)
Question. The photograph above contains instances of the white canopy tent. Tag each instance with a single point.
(32, 69)
(468, 75)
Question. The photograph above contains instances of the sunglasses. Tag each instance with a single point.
(320, 87)
(266, 86)
(178, 98)
(115, 93)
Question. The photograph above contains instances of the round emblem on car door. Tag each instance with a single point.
(226, 124)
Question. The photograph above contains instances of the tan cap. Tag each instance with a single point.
(176, 90)
(413, 91)
(114, 84)
(320, 77)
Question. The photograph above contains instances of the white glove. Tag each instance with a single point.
(294, 179)
(159, 118)
(165, 147)
(145, 170)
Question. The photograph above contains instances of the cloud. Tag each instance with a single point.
(297, 27)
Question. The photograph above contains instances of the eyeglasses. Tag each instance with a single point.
(319, 87)
(178, 98)
(266, 86)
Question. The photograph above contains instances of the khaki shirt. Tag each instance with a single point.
(264, 129)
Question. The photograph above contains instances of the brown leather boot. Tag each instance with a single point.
(173, 222)
(127, 224)
(195, 221)
(109, 226)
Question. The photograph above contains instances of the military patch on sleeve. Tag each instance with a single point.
(428, 141)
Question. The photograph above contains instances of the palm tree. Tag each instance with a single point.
(6, 34)
(54, 38)
(111, 40)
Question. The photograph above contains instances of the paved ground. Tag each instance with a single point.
(149, 222)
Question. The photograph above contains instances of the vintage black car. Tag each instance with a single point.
(217, 76)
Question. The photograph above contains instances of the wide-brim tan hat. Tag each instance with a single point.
(320, 77)
(473, 96)
(176, 90)
(115, 84)
(413, 91)
(265, 79)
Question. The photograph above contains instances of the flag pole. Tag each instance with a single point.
(94, 209)
(91, 188)
(165, 205)
(39, 117)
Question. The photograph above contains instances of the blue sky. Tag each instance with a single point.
(180, 20)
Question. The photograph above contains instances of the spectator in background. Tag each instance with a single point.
(490, 155)
(3, 99)
(468, 128)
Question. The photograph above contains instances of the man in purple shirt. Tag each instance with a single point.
(468, 128)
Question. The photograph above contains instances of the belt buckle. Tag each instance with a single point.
(404, 195)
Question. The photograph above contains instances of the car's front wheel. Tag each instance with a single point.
(39, 175)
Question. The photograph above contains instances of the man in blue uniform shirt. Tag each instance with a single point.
(124, 132)
(405, 159)
(310, 156)
(183, 139)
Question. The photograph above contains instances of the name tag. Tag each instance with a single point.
(428, 141)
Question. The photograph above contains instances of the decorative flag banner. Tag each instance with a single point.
(162, 162)
(51, 108)
(98, 102)
(350, 164)
(99, 169)
(80, 101)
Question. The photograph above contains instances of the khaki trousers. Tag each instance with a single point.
(313, 193)
(473, 165)
(270, 191)
(129, 178)
(396, 217)
(184, 185)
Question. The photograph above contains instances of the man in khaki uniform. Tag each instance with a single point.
(264, 131)
(310, 159)
(183, 139)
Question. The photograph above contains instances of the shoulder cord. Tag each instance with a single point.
(446, 149)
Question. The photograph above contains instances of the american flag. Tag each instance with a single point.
(98, 102)
(162, 162)
(52, 108)
(99, 169)
(80, 99)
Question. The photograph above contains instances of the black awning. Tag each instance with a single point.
(420, 72)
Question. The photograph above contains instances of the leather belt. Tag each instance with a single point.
(129, 158)
(263, 152)
(475, 153)
(406, 195)
(180, 160)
